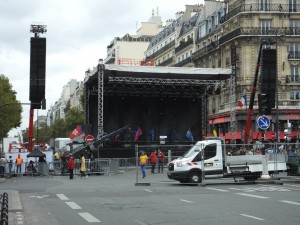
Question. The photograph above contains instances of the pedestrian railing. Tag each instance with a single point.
(4, 209)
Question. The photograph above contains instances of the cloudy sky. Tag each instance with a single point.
(78, 32)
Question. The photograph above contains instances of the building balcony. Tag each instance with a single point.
(166, 62)
(293, 79)
(184, 45)
(294, 55)
(111, 57)
(183, 62)
(160, 51)
(259, 31)
(255, 8)
(207, 49)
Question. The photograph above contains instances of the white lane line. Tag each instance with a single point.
(254, 196)
(216, 189)
(253, 217)
(148, 190)
(183, 200)
(73, 205)
(62, 197)
(89, 218)
(140, 222)
(290, 202)
(237, 189)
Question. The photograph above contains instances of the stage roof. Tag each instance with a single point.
(159, 72)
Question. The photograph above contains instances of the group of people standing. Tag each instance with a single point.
(9, 161)
(71, 166)
(156, 158)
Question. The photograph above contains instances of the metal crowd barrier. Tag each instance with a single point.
(4, 209)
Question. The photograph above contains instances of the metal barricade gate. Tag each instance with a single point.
(266, 154)
(170, 152)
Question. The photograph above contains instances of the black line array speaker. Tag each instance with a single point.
(269, 75)
(37, 71)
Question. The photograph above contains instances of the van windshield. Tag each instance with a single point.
(193, 151)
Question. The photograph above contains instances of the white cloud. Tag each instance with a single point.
(77, 36)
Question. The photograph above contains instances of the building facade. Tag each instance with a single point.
(208, 37)
(130, 49)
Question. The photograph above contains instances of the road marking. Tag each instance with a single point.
(73, 205)
(253, 217)
(216, 189)
(148, 190)
(62, 197)
(290, 202)
(260, 189)
(140, 222)
(183, 200)
(89, 218)
(237, 189)
(42, 196)
(293, 189)
(254, 196)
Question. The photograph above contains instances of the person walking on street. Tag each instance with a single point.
(71, 166)
(143, 162)
(153, 161)
(3, 163)
(83, 167)
(19, 162)
(161, 160)
(10, 165)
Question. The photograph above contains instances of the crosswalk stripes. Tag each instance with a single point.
(260, 188)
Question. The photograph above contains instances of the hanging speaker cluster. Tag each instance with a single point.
(37, 72)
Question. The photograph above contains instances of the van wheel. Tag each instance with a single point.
(195, 178)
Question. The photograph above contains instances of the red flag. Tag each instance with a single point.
(76, 132)
(138, 133)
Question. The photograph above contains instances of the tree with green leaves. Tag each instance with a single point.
(10, 107)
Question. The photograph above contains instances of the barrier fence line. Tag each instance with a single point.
(276, 152)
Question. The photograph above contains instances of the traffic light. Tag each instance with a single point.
(264, 104)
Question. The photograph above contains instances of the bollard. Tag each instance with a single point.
(4, 209)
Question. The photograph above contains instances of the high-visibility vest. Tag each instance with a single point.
(19, 161)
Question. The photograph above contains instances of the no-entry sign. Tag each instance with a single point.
(89, 138)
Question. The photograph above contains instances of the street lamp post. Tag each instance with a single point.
(273, 39)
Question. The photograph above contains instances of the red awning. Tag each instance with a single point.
(238, 135)
(256, 135)
(295, 134)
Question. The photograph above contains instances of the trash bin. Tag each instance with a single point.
(43, 168)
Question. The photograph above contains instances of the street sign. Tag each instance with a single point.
(89, 138)
(263, 122)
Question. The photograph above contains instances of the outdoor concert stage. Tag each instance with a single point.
(161, 101)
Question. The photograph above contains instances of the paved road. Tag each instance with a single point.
(116, 199)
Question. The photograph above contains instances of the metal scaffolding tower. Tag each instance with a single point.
(100, 98)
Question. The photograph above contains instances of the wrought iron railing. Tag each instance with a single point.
(203, 51)
(183, 45)
(183, 62)
(260, 31)
(166, 62)
(294, 55)
(292, 79)
(163, 49)
(290, 8)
